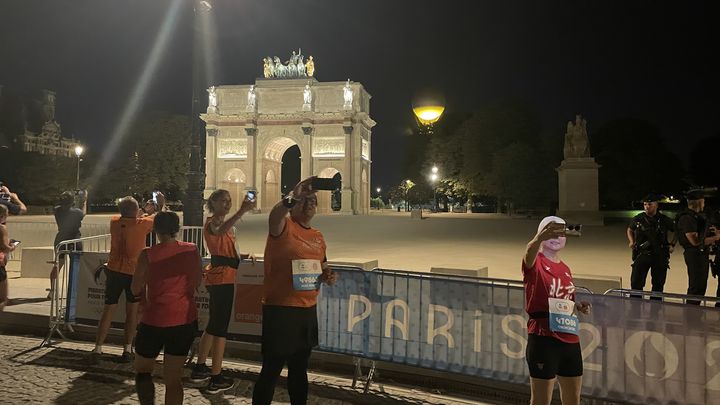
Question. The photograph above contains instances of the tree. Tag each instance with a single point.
(497, 151)
(635, 161)
(154, 156)
(703, 162)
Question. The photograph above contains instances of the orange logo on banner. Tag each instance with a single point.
(248, 303)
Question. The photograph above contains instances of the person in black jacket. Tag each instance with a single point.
(68, 220)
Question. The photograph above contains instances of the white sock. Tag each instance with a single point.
(128, 348)
(98, 349)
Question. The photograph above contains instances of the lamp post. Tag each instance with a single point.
(433, 179)
(78, 152)
(378, 196)
(192, 206)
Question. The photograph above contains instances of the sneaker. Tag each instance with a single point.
(200, 373)
(219, 383)
(125, 357)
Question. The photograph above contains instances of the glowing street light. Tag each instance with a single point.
(428, 107)
(78, 152)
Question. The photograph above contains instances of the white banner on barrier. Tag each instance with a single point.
(246, 318)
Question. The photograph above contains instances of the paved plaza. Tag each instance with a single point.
(65, 375)
(454, 240)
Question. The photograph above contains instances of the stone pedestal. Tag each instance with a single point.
(346, 195)
(578, 191)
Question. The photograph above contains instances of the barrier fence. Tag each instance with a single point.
(634, 350)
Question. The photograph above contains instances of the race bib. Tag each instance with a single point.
(562, 318)
(306, 274)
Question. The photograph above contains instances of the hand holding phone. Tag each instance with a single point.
(573, 229)
(251, 195)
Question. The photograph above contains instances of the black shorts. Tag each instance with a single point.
(3, 274)
(288, 330)
(221, 303)
(115, 284)
(174, 340)
(548, 357)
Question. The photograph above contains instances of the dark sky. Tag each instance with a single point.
(602, 59)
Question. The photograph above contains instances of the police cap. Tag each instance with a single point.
(695, 194)
(652, 197)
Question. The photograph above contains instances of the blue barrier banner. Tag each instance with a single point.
(634, 351)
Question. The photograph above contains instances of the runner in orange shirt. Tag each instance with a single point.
(220, 283)
(127, 240)
(295, 265)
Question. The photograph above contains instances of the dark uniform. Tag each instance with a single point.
(697, 258)
(651, 250)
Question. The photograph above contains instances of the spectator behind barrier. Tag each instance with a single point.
(167, 274)
(68, 220)
(295, 265)
(553, 348)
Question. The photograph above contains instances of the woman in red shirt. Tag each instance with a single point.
(168, 273)
(553, 349)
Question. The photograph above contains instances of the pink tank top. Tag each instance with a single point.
(172, 271)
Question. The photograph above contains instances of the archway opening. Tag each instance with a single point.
(234, 181)
(290, 175)
(278, 180)
(330, 201)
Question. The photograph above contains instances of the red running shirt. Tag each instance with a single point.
(171, 276)
(547, 279)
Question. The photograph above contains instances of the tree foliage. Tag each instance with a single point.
(496, 151)
(635, 161)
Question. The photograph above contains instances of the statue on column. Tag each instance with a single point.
(307, 98)
(347, 95)
(576, 139)
(212, 100)
(251, 98)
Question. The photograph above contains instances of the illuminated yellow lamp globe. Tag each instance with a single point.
(428, 106)
(428, 114)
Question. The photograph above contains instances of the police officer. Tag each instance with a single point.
(693, 229)
(648, 238)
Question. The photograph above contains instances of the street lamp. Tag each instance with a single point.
(78, 152)
(428, 106)
(193, 204)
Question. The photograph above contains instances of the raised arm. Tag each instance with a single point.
(279, 213)
(551, 231)
(219, 227)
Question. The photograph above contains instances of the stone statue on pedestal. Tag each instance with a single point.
(347, 95)
(251, 98)
(576, 139)
(307, 98)
(212, 100)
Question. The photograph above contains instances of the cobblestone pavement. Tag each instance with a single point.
(65, 374)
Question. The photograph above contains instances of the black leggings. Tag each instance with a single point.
(297, 364)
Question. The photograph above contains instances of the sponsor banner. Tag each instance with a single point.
(634, 351)
(87, 299)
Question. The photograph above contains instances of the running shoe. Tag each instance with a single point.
(219, 383)
(200, 373)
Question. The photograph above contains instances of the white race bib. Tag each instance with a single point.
(562, 317)
(306, 274)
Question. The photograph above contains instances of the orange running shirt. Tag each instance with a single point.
(295, 242)
(127, 240)
(219, 245)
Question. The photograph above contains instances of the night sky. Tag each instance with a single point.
(601, 59)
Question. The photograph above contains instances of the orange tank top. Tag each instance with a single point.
(219, 245)
(294, 243)
(127, 240)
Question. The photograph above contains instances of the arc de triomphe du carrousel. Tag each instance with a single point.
(249, 128)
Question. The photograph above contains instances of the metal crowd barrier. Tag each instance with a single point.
(43, 233)
(663, 296)
(66, 251)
